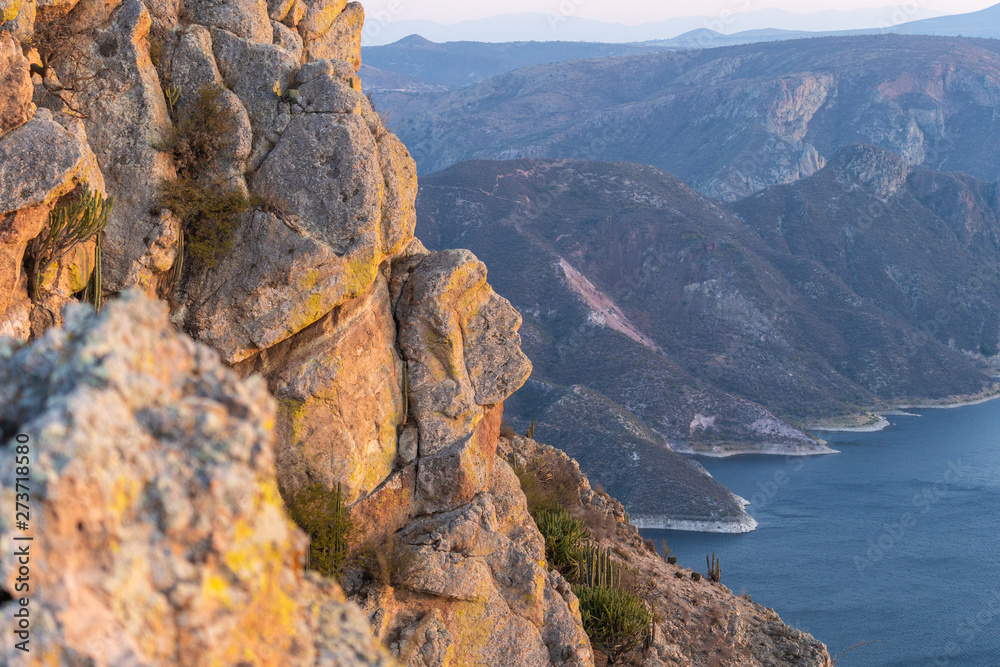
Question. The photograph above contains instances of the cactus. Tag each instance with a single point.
(616, 620)
(672, 560)
(564, 536)
(714, 568)
(530, 433)
(77, 222)
(696, 576)
(172, 94)
(324, 516)
(597, 568)
(406, 395)
(679, 574)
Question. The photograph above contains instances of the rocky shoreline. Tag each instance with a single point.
(654, 522)
(770, 449)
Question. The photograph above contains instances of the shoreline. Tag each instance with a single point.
(767, 450)
(660, 522)
(880, 425)
(951, 404)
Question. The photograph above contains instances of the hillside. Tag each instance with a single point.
(819, 300)
(729, 121)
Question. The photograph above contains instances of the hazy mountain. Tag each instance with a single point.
(457, 64)
(555, 26)
(730, 121)
(862, 285)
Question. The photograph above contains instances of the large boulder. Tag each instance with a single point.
(127, 117)
(339, 384)
(159, 536)
(243, 18)
(15, 85)
(339, 39)
(252, 71)
(474, 586)
(461, 345)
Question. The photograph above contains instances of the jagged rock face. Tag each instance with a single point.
(126, 117)
(15, 85)
(39, 162)
(339, 387)
(477, 591)
(879, 171)
(159, 534)
(460, 340)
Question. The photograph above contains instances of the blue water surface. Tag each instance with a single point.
(895, 541)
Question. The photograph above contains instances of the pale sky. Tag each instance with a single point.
(632, 12)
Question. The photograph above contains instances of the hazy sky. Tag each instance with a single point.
(633, 12)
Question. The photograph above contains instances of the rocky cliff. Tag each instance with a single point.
(215, 168)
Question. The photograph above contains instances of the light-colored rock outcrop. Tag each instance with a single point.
(332, 30)
(339, 385)
(475, 590)
(460, 340)
(15, 85)
(159, 534)
(127, 117)
(244, 18)
(39, 163)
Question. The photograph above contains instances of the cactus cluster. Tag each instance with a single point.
(597, 568)
(564, 536)
(616, 620)
(323, 515)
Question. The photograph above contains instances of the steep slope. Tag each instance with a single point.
(645, 280)
(730, 121)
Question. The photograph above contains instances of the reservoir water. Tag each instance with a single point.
(895, 541)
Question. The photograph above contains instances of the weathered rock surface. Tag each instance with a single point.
(15, 85)
(127, 117)
(244, 18)
(339, 387)
(461, 344)
(341, 40)
(159, 534)
(193, 67)
(251, 71)
(476, 591)
(39, 163)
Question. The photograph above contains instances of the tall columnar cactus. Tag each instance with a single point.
(530, 434)
(714, 568)
(76, 222)
(597, 568)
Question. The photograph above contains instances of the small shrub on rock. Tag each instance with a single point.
(209, 210)
(323, 515)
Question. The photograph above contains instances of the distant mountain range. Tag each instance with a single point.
(556, 26)
(423, 56)
(731, 121)
(654, 315)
